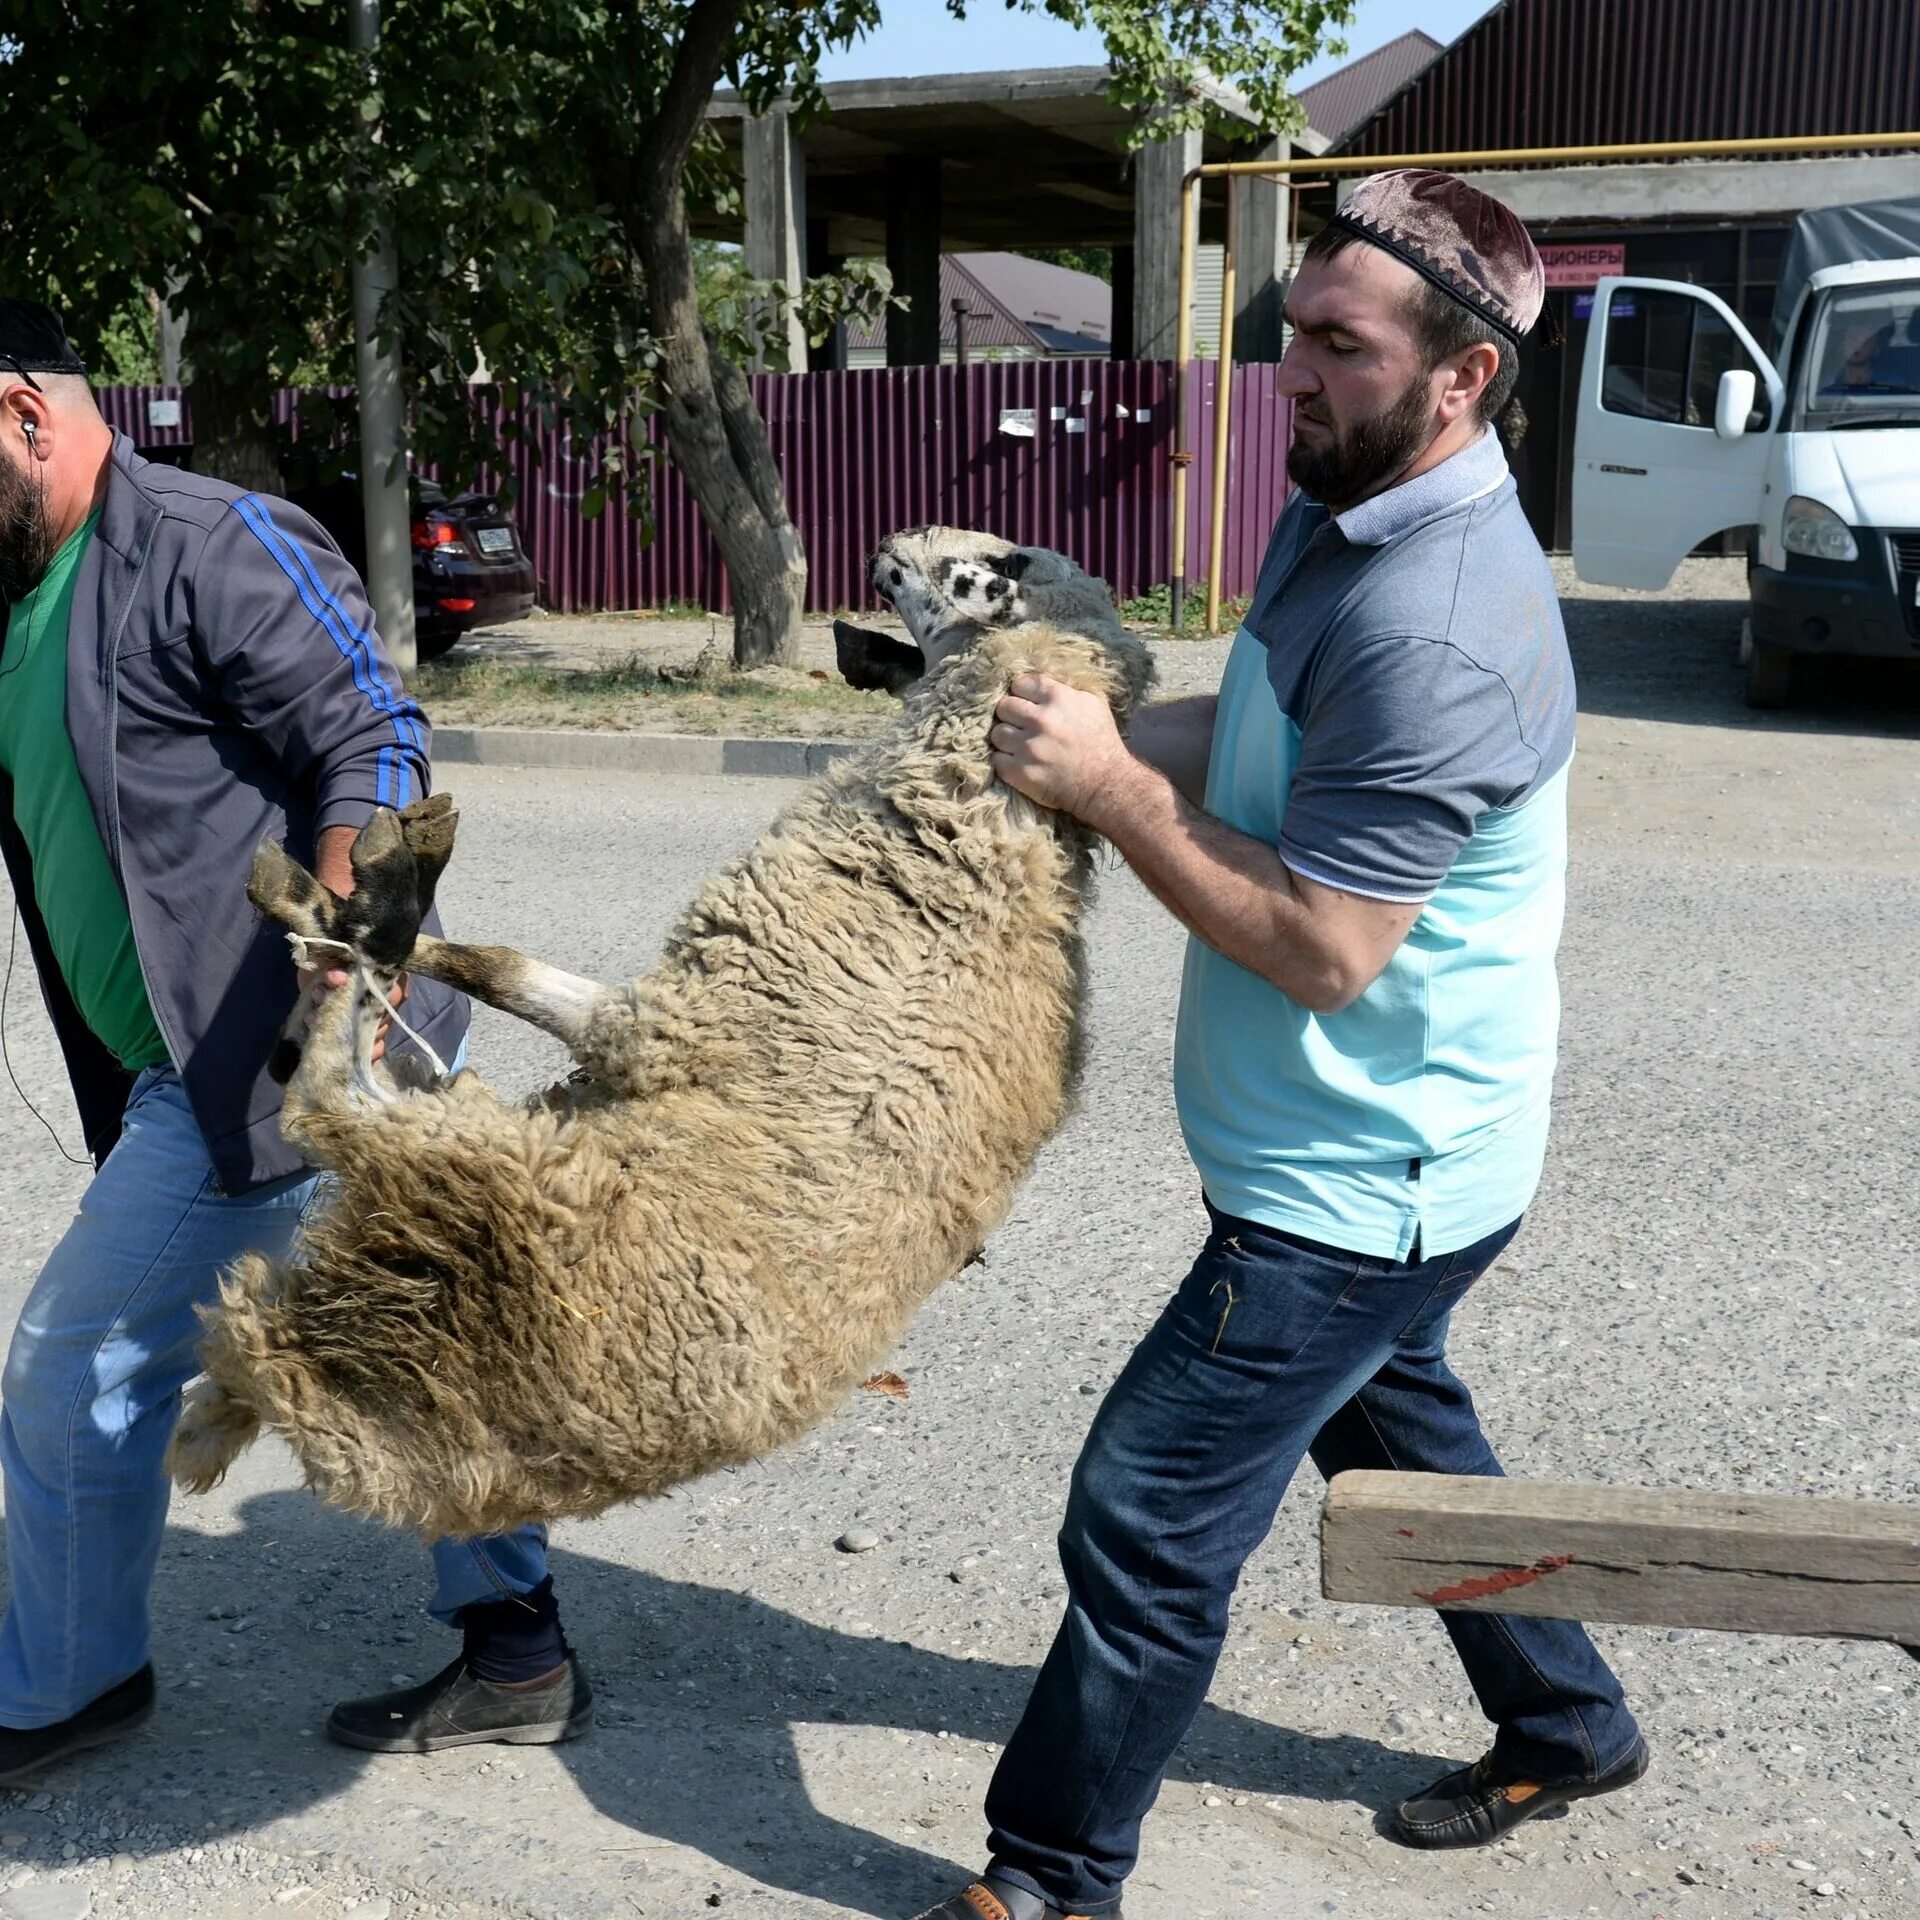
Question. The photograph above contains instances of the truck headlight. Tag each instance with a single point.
(1816, 531)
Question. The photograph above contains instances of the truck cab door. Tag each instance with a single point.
(1678, 406)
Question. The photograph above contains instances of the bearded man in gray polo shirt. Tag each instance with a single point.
(1365, 834)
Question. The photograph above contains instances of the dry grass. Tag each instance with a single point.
(638, 697)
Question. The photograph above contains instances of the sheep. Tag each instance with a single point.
(773, 1148)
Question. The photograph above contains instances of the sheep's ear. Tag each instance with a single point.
(875, 662)
(1014, 565)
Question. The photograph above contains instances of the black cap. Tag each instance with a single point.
(32, 339)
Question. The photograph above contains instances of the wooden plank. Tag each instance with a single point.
(1744, 1563)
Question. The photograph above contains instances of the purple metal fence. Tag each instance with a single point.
(1258, 433)
(1071, 454)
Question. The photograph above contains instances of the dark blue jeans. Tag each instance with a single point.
(1273, 1347)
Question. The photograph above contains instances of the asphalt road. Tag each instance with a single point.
(1716, 1289)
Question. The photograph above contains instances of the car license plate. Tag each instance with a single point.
(494, 539)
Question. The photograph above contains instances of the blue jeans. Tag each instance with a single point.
(1273, 1347)
(105, 1342)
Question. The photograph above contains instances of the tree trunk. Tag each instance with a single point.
(767, 613)
(234, 437)
(714, 434)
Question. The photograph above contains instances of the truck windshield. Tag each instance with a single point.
(1862, 368)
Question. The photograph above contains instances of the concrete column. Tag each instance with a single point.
(830, 356)
(1260, 260)
(1158, 169)
(1122, 348)
(913, 258)
(776, 197)
(169, 331)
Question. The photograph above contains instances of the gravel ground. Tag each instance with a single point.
(1715, 1290)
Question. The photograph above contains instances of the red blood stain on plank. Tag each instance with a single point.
(1486, 1585)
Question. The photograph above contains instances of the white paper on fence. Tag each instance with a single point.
(1059, 413)
(163, 413)
(1022, 422)
(1077, 424)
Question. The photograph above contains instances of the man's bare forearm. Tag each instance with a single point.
(333, 860)
(1176, 737)
(1322, 946)
(1231, 890)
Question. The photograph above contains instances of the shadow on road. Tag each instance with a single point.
(703, 1688)
(1678, 660)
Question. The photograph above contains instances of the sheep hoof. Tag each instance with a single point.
(428, 828)
(384, 911)
(214, 1430)
(285, 891)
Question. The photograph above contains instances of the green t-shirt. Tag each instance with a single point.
(73, 884)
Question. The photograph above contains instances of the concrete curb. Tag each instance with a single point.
(674, 753)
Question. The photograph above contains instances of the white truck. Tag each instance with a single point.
(1687, 428)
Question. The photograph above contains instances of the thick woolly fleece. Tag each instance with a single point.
(810, 1114)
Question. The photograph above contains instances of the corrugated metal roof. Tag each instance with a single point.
(988, 323)
(1042, 294)
(1347, 95)
(1073, 345)
(1548, 73)
(1013, 302)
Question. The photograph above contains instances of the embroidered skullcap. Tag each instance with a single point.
(1465, 242)
(33, 340)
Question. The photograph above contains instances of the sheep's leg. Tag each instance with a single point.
(337, 1073)
(397, 863)
(333, 1070)
(282, 888)
(559, 1003)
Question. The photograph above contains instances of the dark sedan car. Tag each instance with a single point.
(469, 568)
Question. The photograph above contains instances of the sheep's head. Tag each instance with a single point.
(950, 587)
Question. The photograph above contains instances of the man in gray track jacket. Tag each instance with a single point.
(187, 670)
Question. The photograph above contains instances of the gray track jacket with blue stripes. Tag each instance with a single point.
(224, 686)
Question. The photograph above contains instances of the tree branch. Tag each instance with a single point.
(698, 63)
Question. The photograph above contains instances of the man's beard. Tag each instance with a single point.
(26, 537)
(1355, 462)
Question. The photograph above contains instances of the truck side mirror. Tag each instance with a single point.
(1734, 402)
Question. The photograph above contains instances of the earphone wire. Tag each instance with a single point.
(6, 1058)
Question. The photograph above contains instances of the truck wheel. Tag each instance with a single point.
(1769, 677)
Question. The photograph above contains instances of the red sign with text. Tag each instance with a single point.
(1577, 264)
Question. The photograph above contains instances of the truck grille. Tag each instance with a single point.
(1904, 550)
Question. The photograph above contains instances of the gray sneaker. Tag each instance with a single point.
(458, 1709)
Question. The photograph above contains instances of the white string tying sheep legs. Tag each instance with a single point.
(337, 1069)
